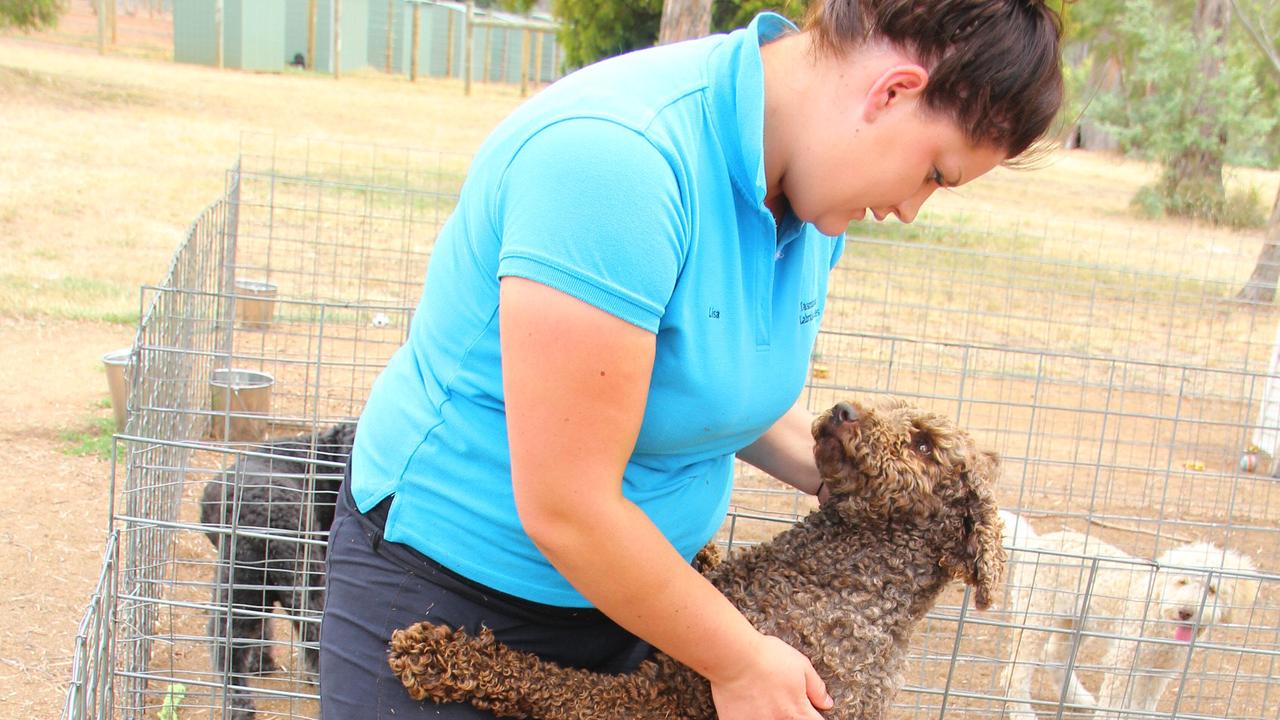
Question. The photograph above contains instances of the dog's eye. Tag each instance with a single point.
(922, 443)
(1182, 582)
(1212, 589)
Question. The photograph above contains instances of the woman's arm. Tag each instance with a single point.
(785, 451)
(576, 380)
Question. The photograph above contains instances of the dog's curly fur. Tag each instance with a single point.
(1176, 598)
(911, 508)
(267, 516)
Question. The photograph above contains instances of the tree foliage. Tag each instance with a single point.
(596, 29)
(515, 6)
(1260, 22)
(729, 14)
(1169, 109)
(30, 14)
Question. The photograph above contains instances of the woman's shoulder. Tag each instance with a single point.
(634, 90)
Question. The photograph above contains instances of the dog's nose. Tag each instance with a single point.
(843, 413)
(1185, 615)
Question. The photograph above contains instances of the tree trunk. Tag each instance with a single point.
(1192, 180)
(684, 20)
(1261, 287)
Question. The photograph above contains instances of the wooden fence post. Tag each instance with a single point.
(390, 28)
(311, 35)
(537, 59)
(417, 34)
(448, 56)
(102, 26)
(217, 33)
(467, 48)
(524, 62)
(337, 39)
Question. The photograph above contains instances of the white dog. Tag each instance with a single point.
(1162, 606)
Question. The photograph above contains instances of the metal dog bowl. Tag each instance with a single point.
(255, 304)
(117, 363)
(241, 402)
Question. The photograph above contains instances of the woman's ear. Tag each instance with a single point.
(896, 84)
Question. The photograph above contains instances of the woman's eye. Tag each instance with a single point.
(935, 177)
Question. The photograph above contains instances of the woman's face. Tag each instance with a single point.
(888, 167)
(862, 144)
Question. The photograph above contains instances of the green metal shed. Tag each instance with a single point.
(269, 34)
(252, 33)
(443, 29)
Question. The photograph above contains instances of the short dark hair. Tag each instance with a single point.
(995, 66)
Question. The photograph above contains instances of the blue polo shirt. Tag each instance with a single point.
(636, 185)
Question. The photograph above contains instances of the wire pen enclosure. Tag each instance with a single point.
(1108, 367)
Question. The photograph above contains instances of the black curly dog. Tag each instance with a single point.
(268, 515)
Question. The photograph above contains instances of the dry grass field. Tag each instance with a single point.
(105, 160)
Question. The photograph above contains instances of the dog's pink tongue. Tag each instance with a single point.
(1183, 633)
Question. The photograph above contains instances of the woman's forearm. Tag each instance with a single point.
(785, 451)
(617, 558)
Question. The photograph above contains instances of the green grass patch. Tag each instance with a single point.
(68, 298)
(1016, 257)
(74, 91)
(94, 439)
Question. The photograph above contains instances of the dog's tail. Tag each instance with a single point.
(444, 665)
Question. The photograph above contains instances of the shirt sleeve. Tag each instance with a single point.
(593, 209)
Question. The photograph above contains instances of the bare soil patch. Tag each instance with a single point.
(105, 162)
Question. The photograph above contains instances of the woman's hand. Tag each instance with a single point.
(774, 682)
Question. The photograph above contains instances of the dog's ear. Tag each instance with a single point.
(1237, 594)
(980, 557)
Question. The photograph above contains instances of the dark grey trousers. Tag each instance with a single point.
(374, 587)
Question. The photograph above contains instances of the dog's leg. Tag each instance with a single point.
(1120, 662)
(441, 664)
(1059, 652)
(1017, 674)
(306, 602)
(1138, 674)
(238, 641)
(1026, 652)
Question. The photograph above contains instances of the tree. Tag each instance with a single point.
(1261, 27)
(684, 20)
(1188, 100)
(30, 14)
(595, 29)
(729, 15)
(515, 6)
(1192, 180)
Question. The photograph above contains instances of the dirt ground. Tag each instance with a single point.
(53, 509)
(104, 162)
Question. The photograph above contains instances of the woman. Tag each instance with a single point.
(624, 300)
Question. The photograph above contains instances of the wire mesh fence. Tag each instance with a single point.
(1111, 370)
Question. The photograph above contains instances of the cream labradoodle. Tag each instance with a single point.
(1145, 614)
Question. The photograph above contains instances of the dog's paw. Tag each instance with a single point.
(707, 558)
(258, 660)
(420, 656)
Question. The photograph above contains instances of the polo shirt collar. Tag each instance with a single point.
(740, 122)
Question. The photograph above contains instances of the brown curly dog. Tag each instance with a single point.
(911, 508)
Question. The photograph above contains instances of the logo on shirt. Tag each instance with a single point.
(809, 311)
(713, 312)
